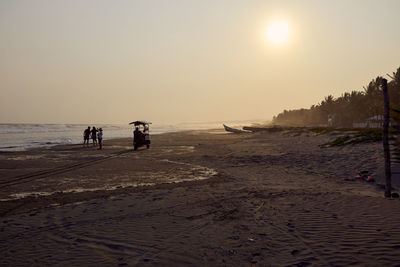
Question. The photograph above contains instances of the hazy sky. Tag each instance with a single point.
(171, 61)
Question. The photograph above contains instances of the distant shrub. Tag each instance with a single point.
(356, 137)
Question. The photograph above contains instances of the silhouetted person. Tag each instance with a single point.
(94, 136)
(100, 137)
(137, 138)
(86, 135)
(146, 134)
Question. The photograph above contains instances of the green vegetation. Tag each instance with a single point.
(354, 107)
(344, 136)
(356, 137)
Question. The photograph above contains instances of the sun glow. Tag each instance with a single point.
(278, 32)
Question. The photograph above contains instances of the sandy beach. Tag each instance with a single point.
(201, 198)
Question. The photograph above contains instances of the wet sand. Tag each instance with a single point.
(198, 198)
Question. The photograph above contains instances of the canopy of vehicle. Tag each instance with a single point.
(137, 123)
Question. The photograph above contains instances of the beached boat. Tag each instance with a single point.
(233, 130)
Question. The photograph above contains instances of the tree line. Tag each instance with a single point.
(346, 110)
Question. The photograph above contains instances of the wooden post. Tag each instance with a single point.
(385, 137)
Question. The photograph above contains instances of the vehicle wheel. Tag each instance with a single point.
(148, 146)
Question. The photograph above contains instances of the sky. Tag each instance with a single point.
(171, 61)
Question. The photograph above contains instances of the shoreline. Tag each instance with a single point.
(50, 146)
(19, 137)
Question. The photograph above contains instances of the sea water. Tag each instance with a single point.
(20, 137)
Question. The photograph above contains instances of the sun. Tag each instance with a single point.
(278, 32)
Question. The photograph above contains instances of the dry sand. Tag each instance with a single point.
(198, 198)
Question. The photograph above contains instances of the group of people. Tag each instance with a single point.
(95, 134)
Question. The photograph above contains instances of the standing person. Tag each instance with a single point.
(94, 136)
(86, 135)
(100, 137)
(137, 138)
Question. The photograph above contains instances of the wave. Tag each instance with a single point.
(45, 128)
(20, 137)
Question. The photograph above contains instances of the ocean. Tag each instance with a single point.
(20, 137)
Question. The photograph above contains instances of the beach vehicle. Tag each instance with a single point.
(142, 138)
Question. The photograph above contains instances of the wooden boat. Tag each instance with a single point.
(233, 130)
